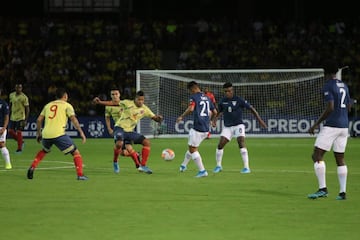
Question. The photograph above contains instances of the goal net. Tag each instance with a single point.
(288, 100)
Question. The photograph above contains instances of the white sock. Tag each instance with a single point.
(245, 157)
(320, 171)
(5, 154)
(198, 160)
(342, 175)
(218, 156)
(187, 158)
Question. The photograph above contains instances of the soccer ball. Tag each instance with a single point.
(168, 154)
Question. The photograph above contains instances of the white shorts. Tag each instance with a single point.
(195, 137)
(331, 136)
(3, 136)
(233, 131)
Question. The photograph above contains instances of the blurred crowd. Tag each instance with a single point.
(87, 55)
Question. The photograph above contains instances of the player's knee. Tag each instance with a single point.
(146, 142)
(315, 157)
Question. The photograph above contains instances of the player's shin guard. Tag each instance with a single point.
(135, 158)
(19, 139)
(78, 162)
(13, 134)
(145, 152)
(39, 156)
(117, 152)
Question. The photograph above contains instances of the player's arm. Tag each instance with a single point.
(76, 124)
(27, 113)
(257, 116)
(329, 108)
(39, 124)
(213, 118)
(108, 125)
(157, 118)
(188, 111)
(97, 100)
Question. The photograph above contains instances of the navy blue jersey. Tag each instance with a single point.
(4, 110)
(232, 110)
(202, 109)
(336, 90)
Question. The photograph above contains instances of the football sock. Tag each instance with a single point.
(19, 139)
(320, 170)
(187, 158)
(39, 156)
(135, 158)
(342, 175)
(218, 156)
(78, 164)
(245, 157)
(13, 134)
(198, 160)
(145, 152)
(5, 154)
(116, 154)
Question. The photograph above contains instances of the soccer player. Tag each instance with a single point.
(4, 121)
(202, 109)
(334, 133)
(231, 107)
(114, 113)
(212, 98)
(55, 116)
(133, 112)
(19, 114)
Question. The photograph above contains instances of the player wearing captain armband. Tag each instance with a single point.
(203, 111)
(133, 112)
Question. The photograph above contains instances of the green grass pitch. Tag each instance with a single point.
(269, 203)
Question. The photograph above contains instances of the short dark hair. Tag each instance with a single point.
(60, 92)
(140, 93)
(114, 87)
(191, 84)
(227, 85)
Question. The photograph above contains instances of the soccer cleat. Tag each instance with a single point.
(145, 169)
(203, 173)
(116, 167)
(318, 194)
(341, 196)
(8, 166)
(82, 177)
(18, 151)
(182, 168)
(217, 169)
(30, 173)
(245, 170)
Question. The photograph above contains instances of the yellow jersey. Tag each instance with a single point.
(18, 104)
(56, 115)
(132, 114)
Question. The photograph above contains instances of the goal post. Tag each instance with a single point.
(289, 100)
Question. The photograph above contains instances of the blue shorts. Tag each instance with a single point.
(17, 125)
(64, 143)
(127, 137)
